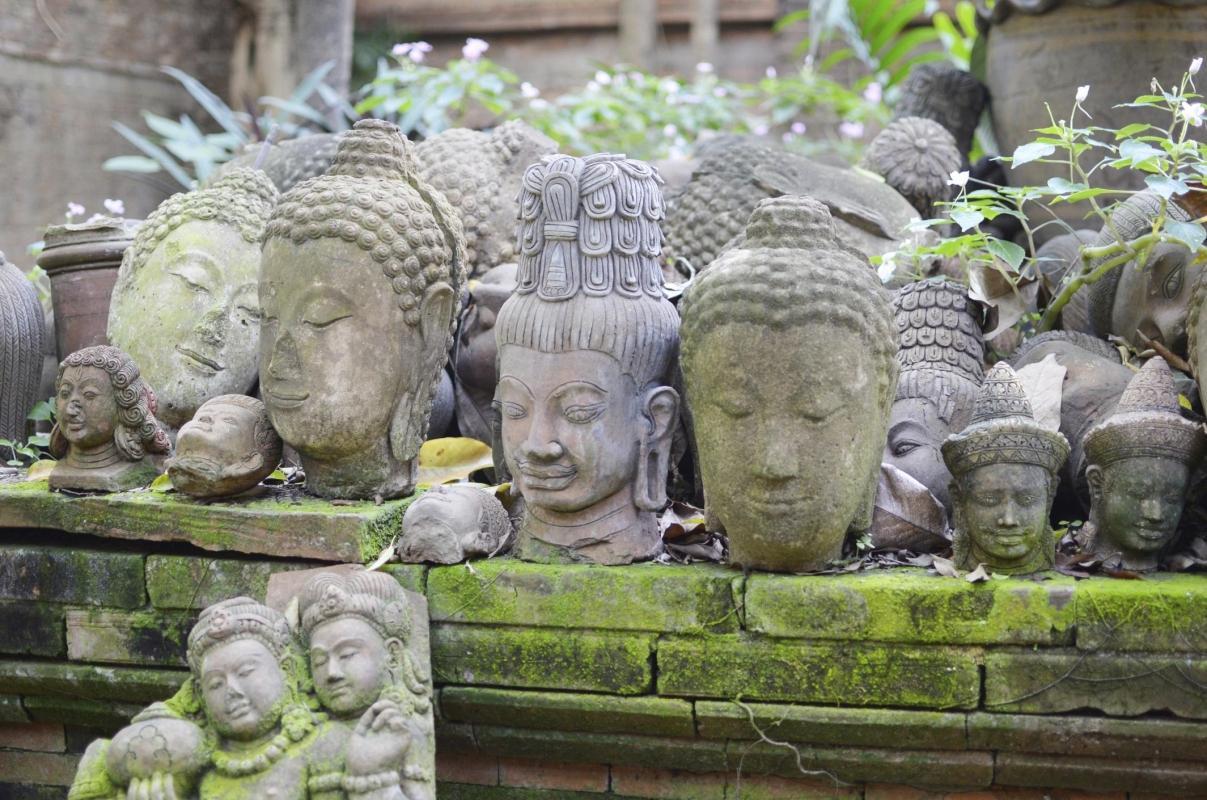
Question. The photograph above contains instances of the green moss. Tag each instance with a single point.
(567, 711)
(1162, 613)
(90, 681)
(832, 726)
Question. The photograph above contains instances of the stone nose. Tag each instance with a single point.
(211, 328)
(776, 458)
(284, 363)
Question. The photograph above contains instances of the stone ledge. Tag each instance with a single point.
(98, 714)
(281, 523)
(90, 681)
(564, 711)
(1162, 613)
(1125, 739)
(1184, 779)
(31, 629)
(11, 709)
(694, 755)
(70, 576)
(191, 583)
(153, 638)
(871, 727)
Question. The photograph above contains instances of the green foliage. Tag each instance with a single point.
(36, 447)
(957, 35)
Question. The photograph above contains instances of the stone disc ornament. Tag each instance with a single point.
(916, 156)
(22, 327)
(788, 361)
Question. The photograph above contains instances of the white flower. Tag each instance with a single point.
(1193, 113)
(719, 91)
(474, 48)
(529, 91)
(669, 130)
(592, 86)
(539, 104)
(798, 128)
(771, 72)
(851, 130)
(75, 210)
(115, 207)
(669, 86)
(704, 68)
(887, 267)
(602, 77)
(873, 92)
(416, 51)
(760, 129)
(1082, 93)
(1195, 66)
(958, 179)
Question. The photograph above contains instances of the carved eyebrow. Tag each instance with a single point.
(566, 388)
(904, 425)
(517, 381)
(205, 261)
(323, 293)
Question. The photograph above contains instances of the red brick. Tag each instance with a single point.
(667, 784)
(529, 774)
(884, 791)
(467, 768)
(769, 787)
(43, 736)
(49, 768)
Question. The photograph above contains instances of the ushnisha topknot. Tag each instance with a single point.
(1003, 430)
(1147, 422)
(781, 290)
(235, 619)
(373, 597)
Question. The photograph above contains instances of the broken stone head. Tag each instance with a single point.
(106, 426)
(362, 269)
(1004, 467)
(1140, 462)
(788, 348)
(449, 524)
(586, 346)
(184, 305)
(227, 448)
(940, 354)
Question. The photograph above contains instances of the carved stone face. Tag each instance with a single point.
(217, 452)
(243, 688)
(789, 428)
(451, 523)
(568, 426)
(1156, 300)
(334, 347)
(86, 407)
(190, 317)
(915, 434)
(350, 664)
(1002, 510)
(1137, 504)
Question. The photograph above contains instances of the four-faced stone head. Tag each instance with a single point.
(788, 349)
(449, 524)
(185, 303)
(1140, 462)
(1004, 467)
(228, 447)
(362, 267)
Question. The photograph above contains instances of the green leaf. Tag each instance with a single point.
(213, 105)
(169, 129)
(131, 164)
(1166, 187)
(162, 483)
(1063, 185)
(42, 411)
(1137, 151)
(155, 152)
(310, 83)
(1024, 154)
(1009, 252)
(1131, 130)
(967, 218)
(1084, 194)
(1192, 233)
(295, 108)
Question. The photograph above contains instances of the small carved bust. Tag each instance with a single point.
(950, 96)
(1140, 462)
(788, 348)
(915, 156)
(1004, 467)
(227, 448)
(362, 269)
(22, 327)
(586, 345)
(940, 354)
(185, 303)
(106, 426)
(449, 524)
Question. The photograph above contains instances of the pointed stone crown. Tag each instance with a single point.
(1003, 430)
(1146, 423)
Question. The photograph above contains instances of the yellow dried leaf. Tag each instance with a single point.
(451, 459)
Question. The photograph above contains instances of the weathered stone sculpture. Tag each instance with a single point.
(286, 164)
(1055, 258)
(940, 354)
(950, 96)
(916, 156)
(476, 354)
(106, 427)
(361, 272)
(586, 345)
(1140, 462)
(360, 633)
(480, 174)
(21, 329)
(450, 524)
(1005, 469)
(1152, 300)
(227, 448)
(184, 305)
(788, 350)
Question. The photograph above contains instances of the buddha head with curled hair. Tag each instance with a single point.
(361, 271)
(788, 363)
(586, 345)
(184, 305)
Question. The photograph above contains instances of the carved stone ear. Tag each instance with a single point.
(1096, 480)
(660, 408)
(408, 427)
(395, 650)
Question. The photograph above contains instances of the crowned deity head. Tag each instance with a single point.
(1140, 460)
(586, 345)
(361, 271)
(941, 350)
(185, 305)
(788, 362)
(105, 423)
(1004, 466)
(228, 447)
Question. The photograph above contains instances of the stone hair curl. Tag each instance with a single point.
(137, 432)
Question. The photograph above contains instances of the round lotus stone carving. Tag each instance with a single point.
(227, 448)
(162, 745)
(916, 156)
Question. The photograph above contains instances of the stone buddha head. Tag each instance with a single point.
(449, 524)
(228, 447)
(1140, 462)
(586, 346)
(185, 303)
(1004, 467)
(362, 269)
(106, 426)
(916, 156)
(939, 334)
(788, 348)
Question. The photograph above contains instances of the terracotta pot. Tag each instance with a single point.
(81, 261)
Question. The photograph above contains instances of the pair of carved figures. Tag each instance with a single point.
(340, 709)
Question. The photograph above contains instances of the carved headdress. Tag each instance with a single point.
(373, 597)
(1003, 430)
(236, 619)
(1146, 423)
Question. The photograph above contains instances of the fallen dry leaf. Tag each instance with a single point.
(906, 515)
(977, 575)
(1044, 384)
(945, 567)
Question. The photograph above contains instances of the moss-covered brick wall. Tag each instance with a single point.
(654, 681)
